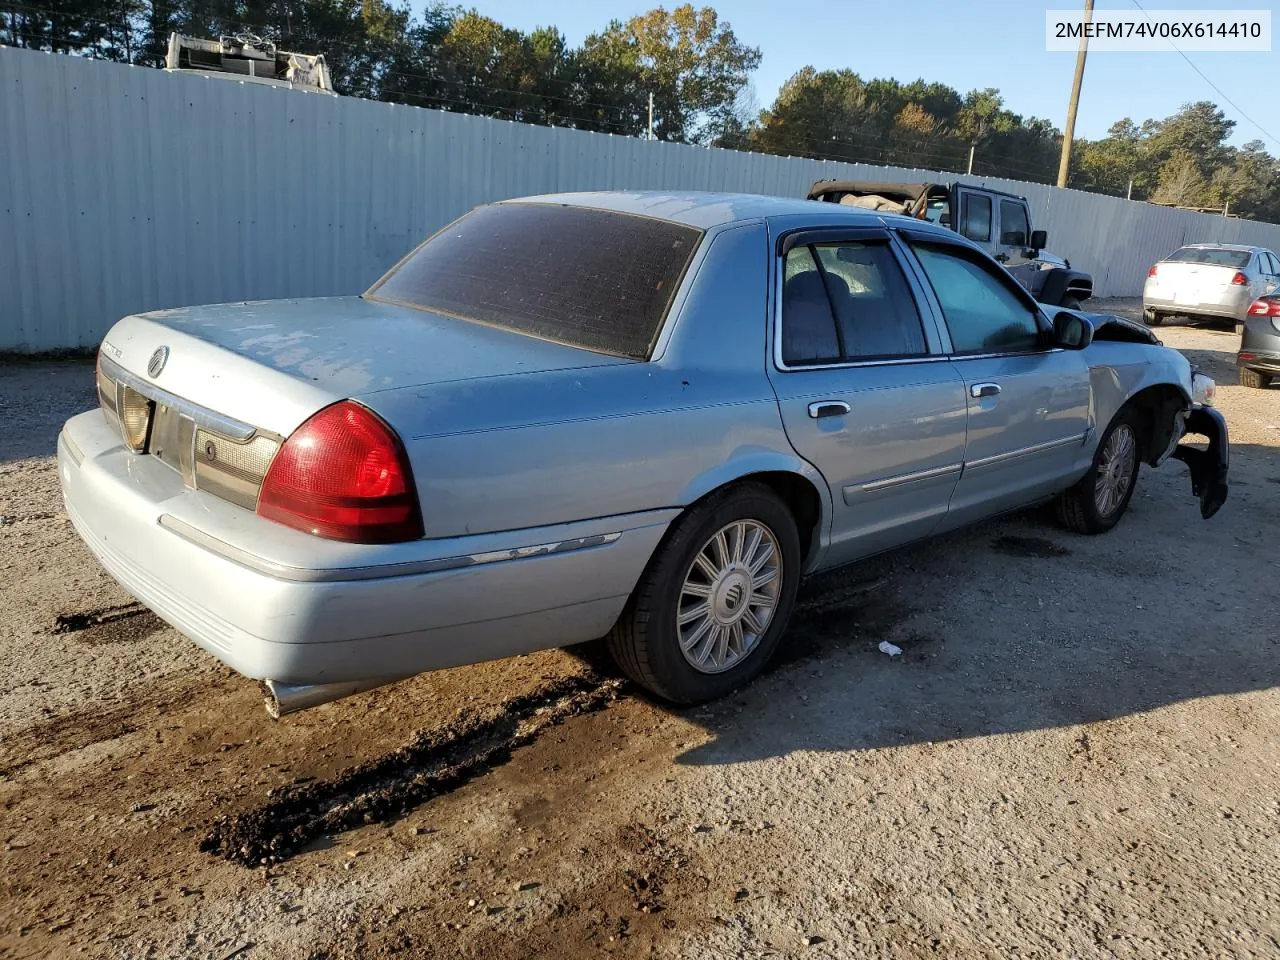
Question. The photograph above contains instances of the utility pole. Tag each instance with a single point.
(1129, 195)
(650, 116)
(1069, 133)
(970, 170)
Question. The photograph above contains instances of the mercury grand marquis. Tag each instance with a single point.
(640, 416)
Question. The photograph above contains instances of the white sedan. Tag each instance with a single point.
(1212, 281)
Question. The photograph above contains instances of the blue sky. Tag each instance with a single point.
(970, 44)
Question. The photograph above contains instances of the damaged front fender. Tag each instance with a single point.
(1208, 466)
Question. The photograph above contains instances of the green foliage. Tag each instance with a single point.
(1184, 160)
(691, 62)
(698, 73)
(835, 114)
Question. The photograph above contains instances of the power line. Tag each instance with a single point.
(867, 147)
(520, 113)
(121, 25)
(1217, 88)
(214, 16)
(867, 152)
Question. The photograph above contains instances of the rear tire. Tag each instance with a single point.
(1098, 501)
(1254, 379)
(1070, 302)
(1151, 318)
(706, 576)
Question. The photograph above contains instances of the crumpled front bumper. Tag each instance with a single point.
(1208, 466)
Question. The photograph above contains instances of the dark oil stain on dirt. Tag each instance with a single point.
(432, 764)
(832, 613)
(1028, 547)
(62, 734)
(119, 624)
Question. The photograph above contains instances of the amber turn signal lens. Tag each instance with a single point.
(134, 411)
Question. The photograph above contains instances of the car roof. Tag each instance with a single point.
(707, 210)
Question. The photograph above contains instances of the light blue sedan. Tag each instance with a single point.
(636, 415)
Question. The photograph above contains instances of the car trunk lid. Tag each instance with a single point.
(1190, 282)
(274, 363)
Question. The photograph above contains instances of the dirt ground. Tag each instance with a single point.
(1076, 756)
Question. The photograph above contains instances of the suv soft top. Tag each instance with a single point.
(910, 191)
(888, 188)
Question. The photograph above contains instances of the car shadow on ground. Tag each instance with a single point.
(1016, 626)
(1220, 364)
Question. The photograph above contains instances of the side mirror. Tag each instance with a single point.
(1071, 331)
(1039, 239)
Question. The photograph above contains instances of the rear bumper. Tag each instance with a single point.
(1260, 345)
(1259, 360)
(1209, 466)
(1233, 308)
(297, 625)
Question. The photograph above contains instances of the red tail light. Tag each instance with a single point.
(343, 475)
(1240, 280)
(1152, 271)
(1265, 308)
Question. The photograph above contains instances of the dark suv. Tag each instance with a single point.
(998, 222)
(1259, 354)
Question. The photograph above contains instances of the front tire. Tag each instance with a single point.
(1253, 379)
(1098, 501)
(715, 599)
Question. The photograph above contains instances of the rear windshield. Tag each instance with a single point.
(1219, 258)
(594, 279)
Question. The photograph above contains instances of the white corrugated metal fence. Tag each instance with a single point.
(126, 188)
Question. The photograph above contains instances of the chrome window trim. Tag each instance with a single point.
(1077, 439)
(281, 571)
(232, 429)
(846, 364)
(961, 357)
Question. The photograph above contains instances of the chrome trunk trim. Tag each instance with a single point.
(204, 417)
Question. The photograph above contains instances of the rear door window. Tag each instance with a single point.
(1013, 224)
(874, 309)
(595, 279)
(847, 301)
(975, 218)
(809, 333)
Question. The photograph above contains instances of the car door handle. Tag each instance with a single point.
(980, 390)
(828, 408)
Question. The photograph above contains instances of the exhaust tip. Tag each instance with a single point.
(286, 698)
